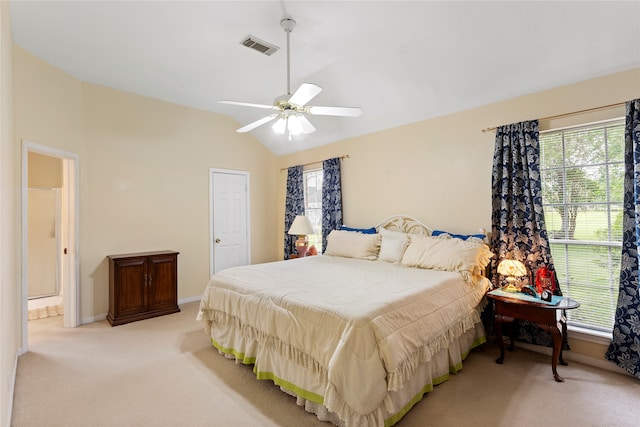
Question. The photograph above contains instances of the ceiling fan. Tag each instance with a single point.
(291, 110)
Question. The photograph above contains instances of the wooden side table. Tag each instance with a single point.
(544, 315)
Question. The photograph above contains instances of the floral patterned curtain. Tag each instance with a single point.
(518, 227)
(624, 349)
(331, 198)
(294, 205)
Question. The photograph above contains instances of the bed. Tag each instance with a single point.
(361, 333)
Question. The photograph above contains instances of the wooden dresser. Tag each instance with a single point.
(142, 285)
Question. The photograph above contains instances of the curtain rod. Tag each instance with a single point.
(346, 156)
(588, 110)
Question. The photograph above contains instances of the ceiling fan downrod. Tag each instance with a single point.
(288, 25)
(291, 110)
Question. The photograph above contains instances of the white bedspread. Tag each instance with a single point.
(365, 324)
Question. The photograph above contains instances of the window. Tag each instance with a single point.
(582, 172)
(313, 204)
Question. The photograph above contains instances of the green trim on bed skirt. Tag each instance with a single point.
(235, 353)
(400, 414)
(313, 397)
(429, 387)
(476, 343)
(305, 394)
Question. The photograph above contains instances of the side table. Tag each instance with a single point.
(544, 315)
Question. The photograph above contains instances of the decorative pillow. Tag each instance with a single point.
(447, 253)
(353, 245)
(371, 230)
(435, 233)
(392, 245)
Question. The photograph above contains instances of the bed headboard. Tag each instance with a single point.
(404, 224)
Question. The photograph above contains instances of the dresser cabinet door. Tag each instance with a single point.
(129, 293)
(163, 277)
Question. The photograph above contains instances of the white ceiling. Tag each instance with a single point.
(401, 62)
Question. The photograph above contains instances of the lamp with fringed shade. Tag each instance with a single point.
(512, 269)
(301, 227)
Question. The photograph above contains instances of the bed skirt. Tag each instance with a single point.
(299, 376)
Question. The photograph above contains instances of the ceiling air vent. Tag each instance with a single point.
(259, 45)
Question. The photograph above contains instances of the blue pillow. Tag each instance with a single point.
(457, 236)
(371, 230)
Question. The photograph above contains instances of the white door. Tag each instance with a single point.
(69, 235)
(229, 219)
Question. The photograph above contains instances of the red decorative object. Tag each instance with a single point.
(545, 280)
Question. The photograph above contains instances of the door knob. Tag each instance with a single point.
(217, 240)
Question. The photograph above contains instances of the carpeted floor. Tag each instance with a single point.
(163, 372)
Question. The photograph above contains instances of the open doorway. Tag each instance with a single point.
(50, 268)
(44, 239)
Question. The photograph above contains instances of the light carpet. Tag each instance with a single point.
(164, 372)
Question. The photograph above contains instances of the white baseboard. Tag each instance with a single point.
(12, 387)
(91, 319)
(103, 316)
(575, 357)
(190, 299)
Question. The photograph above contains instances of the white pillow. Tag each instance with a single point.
(392, 245)
(353, 245)
(446, 253)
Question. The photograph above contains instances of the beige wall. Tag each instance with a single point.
(143, 173)
(48, 104)
(9, 224)
(146, 186)
(44, 171)
(439, 170)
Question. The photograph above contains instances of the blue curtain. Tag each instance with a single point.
(624, 349)
(518, 227)
(331, 198)
(294, 205)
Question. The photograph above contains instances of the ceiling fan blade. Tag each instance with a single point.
(252, 126)
(247, 104)
(306, 125)
(335, 111)
(305, 93)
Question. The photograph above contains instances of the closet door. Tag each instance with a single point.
(229, 207)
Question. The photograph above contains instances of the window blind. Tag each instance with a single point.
(582, 173)
(313, 204)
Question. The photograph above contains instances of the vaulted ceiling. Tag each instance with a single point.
(401, 62)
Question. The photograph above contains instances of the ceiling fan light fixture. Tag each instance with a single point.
(280, 125)
(294, 125)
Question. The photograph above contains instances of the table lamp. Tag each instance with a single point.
(301, 227)
(512, 269)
